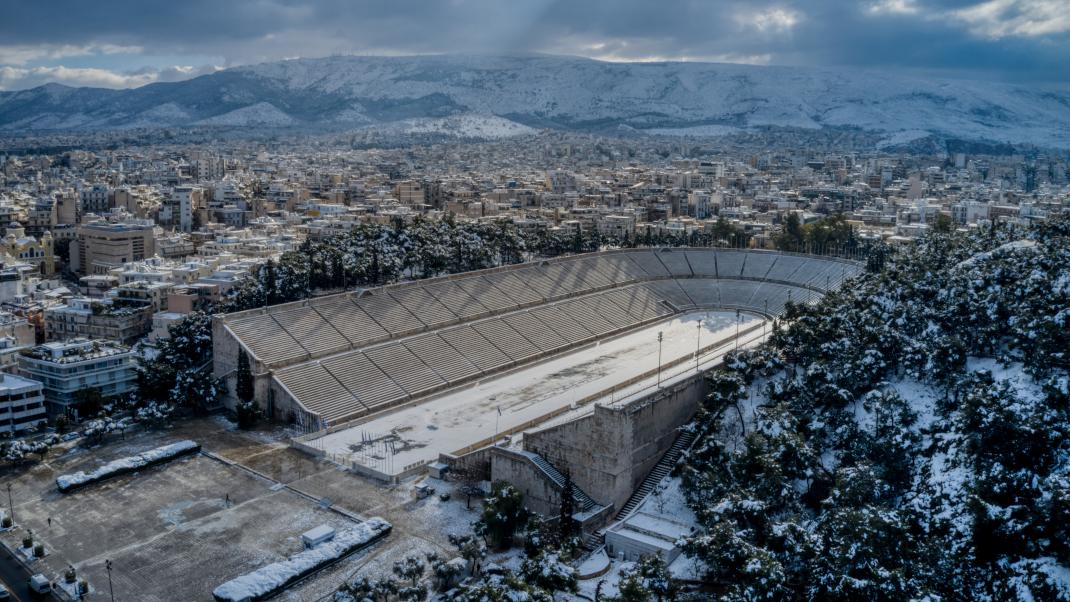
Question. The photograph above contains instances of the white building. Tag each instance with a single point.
(177, 210)
(643, 534)
(699, 204)
(969, 212)
(22, 405)
(65, 368)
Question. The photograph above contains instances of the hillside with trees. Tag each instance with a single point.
(908, 437)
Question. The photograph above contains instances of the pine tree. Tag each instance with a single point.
(565, 523)
(270, 283)
(503, 514)
(246, 409)
(244, 387)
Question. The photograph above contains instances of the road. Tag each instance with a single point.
(14, 577)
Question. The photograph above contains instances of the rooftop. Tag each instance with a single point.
(10, 382)
(75, 350)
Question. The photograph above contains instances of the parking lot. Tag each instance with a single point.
(175, 531)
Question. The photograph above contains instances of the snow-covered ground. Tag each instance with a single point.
(447, 424)
(698, 130)
(261, 113)
(487, 127)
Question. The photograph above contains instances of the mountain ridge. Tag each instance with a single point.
(556, 92)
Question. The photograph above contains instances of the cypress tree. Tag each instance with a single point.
(568, 508)
(245, 378)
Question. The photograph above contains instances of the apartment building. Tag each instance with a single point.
(83, 317)
(179, 207)
(22, 405)
(65, 368)
(96, 199)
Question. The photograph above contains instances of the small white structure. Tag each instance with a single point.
(317, 535)
(643, 534)
(437, 470)
(39, 584)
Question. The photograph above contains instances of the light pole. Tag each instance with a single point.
(765, 318)
(111, 590)
(497, 415)
(660, 335)
(737, 329)
(698, 343)
(10, 506)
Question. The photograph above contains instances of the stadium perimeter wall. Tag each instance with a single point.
(611, 450)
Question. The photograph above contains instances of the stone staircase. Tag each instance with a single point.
(683, 441)
(584, 503)
(662, 468)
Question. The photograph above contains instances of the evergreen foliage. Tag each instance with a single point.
(180, 372)
(375, 254)
(912, 436)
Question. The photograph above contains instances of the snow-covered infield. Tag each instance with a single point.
(273, 578)
(70, 482)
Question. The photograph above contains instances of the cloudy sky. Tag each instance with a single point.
(126, 43)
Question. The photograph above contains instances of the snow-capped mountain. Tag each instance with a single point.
(485, 96)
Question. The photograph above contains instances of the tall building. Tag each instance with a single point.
(103, 245)
(96, 199)
(178, 208)
(68, 207)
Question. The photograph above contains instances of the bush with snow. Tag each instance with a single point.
(273, 578)
(18, 450)
(69, 482)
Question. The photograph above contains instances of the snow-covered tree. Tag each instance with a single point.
(503, 514)
(879, 463)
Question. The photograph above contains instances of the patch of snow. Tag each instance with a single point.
(261, 113)
(270, 579)
(485, 127)
(697, 130)
(68, 482)
(902, 137)
(1004, 248)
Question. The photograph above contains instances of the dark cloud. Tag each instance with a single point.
(1021, 39)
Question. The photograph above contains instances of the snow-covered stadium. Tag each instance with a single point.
(393, 378)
